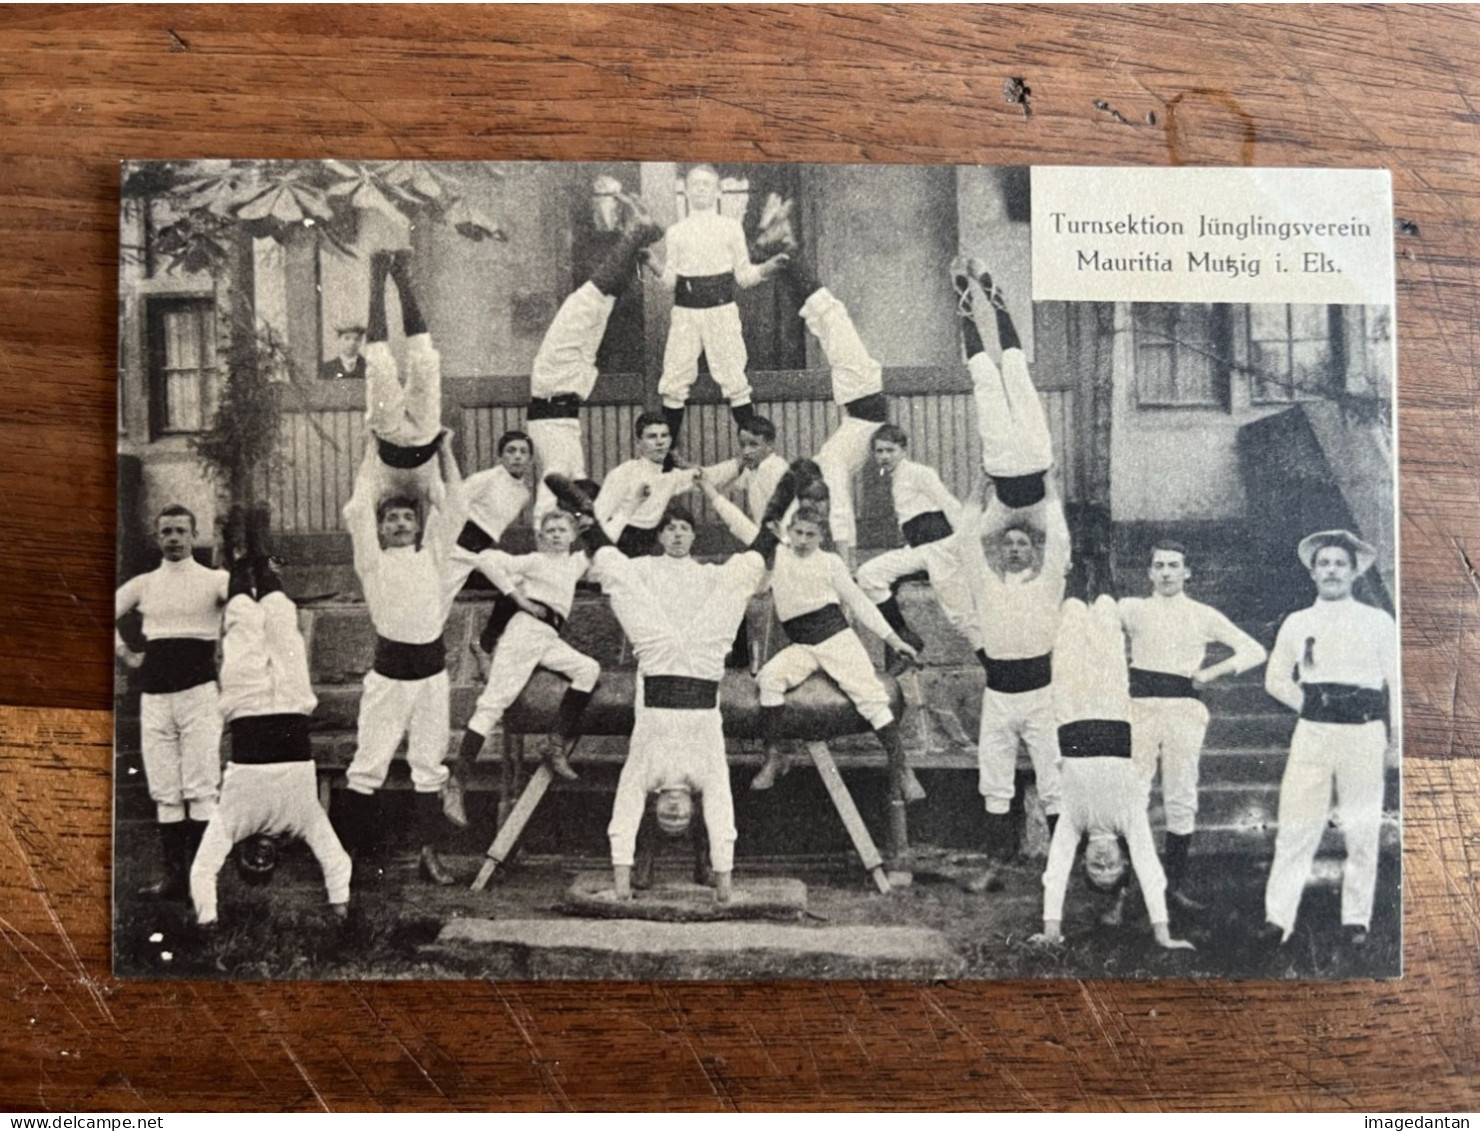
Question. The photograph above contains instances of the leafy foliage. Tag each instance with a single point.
(197, 206)
(203, 213)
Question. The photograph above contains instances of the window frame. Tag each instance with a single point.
(157, 308)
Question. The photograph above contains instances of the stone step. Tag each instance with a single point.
(628, 948)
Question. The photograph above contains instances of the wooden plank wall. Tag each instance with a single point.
(322, 448)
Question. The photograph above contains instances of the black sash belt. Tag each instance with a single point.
(1020, 490)
(1095, 738)
(700, 292)
(177, 664)
(1343, 703)
(1016, 676)
(474, 539)
(816, 626)
(260, 740)
(395, 659)
(1161, 685)
(680, 693)
(874, 408)
(923, 529)
(552, 617)
(405, 458)
(566, 406)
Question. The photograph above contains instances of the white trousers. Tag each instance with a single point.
(843, 657)
(391, 709)
(1009, 416)
(409, 415)
(1170, 731)
(566, 364)
(715, 332)
(566, 361)
(1351, 757)
(842, 456)
(181, 740)
(560, 451)
(527, 644)
(1011, 720)
(672, 747)
(855, 374)
(947, 581)
(280, 799)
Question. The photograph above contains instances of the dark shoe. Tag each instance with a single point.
(433, 869)
(556, 755)
(570, 495)
(961, 283)
(777, 765)
(638, 222)
(775, 235)
(454, 806)
(1354, 935)
(176, 854)
(1270, 936)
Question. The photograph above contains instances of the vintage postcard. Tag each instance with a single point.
(650, 570)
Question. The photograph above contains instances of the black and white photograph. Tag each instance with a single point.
(668, 570)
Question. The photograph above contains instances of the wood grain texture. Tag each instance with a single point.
(87, 87)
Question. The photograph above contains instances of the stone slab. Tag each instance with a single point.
(760, 897)
(631, 948)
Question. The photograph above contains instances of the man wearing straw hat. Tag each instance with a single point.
(1336, 663)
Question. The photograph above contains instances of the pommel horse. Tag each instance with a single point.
(815, 712)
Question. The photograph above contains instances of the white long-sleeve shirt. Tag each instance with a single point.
(179, 600)
(620, 503)
(706, 243)
(758, 483)
(802, 585)
(680, 616)
(495, 498)
(1172, 634)
(549, 578)
(1018, 612)
(917, 490)
(1333, 642)
(264, 662)
(404, 586)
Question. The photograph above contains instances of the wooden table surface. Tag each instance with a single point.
(83, 88)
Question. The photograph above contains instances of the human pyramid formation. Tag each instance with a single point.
(1056, 675)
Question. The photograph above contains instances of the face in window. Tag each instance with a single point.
(1168, 572)
(655, 442)
(399, 527)
(753, 449)
(175, 534)
(676, 538)
(1333, 571)
(516, 458)
(349, 343)
(1017, 550)
(702, 188)
(887, 455)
